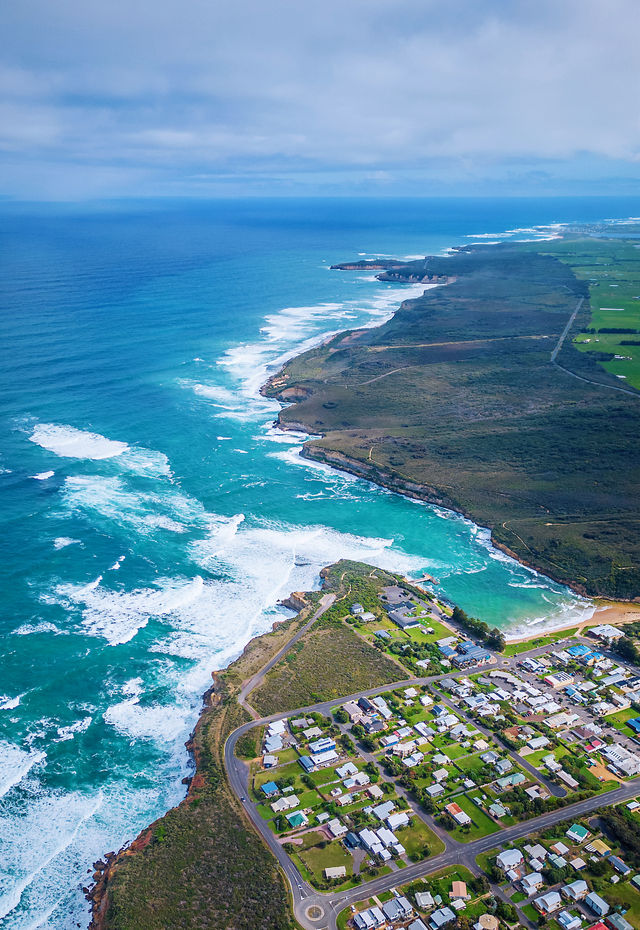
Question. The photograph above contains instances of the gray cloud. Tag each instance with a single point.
(175, 97)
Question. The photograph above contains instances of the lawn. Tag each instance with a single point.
(482, 824)
(529, 911)
(416, 837)
(316, 859)
(619, 720)
(626, 896)
(484, 860)
(514, 649)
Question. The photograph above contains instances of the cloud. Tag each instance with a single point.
(165, 94)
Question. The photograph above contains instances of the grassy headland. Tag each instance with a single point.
(455, 400)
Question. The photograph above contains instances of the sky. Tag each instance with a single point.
(102, 98)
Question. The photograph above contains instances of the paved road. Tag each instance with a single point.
(565, 331)
(325, 603)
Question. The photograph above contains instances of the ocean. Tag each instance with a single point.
(152, 517)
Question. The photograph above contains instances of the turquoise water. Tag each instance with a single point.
(152, 516)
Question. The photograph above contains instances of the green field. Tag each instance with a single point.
(610, 268)
(416, 837)
(619, 720)
(482, 824)
(457, 395)
(316, 859)
(514, 649)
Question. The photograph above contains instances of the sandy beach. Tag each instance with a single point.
(617, 613)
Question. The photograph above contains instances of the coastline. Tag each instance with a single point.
(614, 612)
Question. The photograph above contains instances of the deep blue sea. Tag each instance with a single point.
(152, 517)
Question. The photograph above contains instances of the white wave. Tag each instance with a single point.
(164, 723)
(118, 615)
(15, 763)
(44, 626)
(43, 475)
(272, 433)
(223, 438)
(68, 732)
(69, 442)
(293, 331)
(7, 703)
(51, 845)
(116, 565)
(61, 542)
(110, 498)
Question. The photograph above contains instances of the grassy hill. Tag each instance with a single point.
(456, 400)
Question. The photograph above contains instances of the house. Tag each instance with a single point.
(297, 819)
(568, 921)
(366, 617)
(399, 819)
(357, 609)
(325, 744)
(401, 617)
(547, 903)
(269, 789)
(576, 891)
(434, 791)
(351, 840)
(323, 759)
(273, 744)
(382, 811)
(397, 909)
(368, 838)
(424, 900)
(460, 816)
(369, 919)
(619, 865)
(307, 763)
(269, 761)
(538, 742)
(508, 781)
(503, 766)
(336, 827)
(354, 711)
(459, 890)
(531, 883)
(335, 871)
(509, 859)
(596, 904)
(618, 922)
(285, 804)
(569, 780)
(560, 849)
(343, 771)
(312, 732)
(578, 864)
(487, 922)
(441, 917)
(577, 833)
(620, 759)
